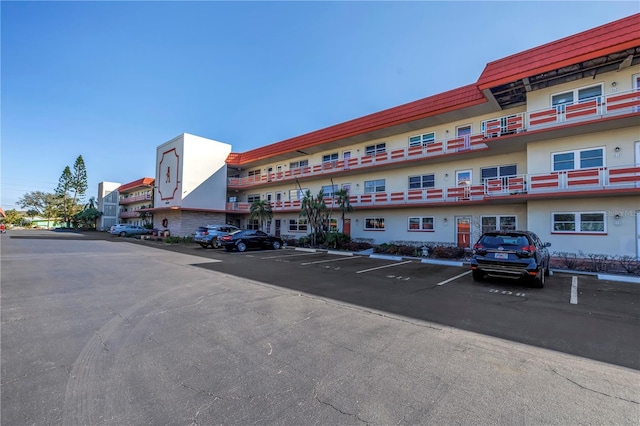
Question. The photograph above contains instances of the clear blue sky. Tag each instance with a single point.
(112, 80)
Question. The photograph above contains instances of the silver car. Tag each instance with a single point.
(209, 236)
(125, 230)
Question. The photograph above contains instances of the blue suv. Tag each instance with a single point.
(512, 254)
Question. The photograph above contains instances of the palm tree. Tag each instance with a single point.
(260, 210)
(342, 199)
(315, 210)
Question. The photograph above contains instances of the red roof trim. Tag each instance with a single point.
(609, 38)
(438, 104)
(147, 181)
(606, 39)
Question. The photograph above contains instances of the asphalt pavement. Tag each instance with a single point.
(104, 331)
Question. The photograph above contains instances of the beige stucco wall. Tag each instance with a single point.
(620, 239)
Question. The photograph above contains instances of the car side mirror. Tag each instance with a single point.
(547, 244)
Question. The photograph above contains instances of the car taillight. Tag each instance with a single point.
(226, 237)
(526, 251)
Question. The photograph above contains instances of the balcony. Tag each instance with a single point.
(588, 111)
(135, 199)
(130, 214)
(597, 181)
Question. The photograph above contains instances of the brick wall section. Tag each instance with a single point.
(182, 224)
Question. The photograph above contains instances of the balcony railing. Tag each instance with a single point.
(589, 110)
(602, 179)
(129, 200)
(129, 214)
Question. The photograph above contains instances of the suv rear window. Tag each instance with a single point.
(495, 241)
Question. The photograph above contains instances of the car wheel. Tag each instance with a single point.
(123, 234)
(477, 275)
(538, 281)
(276, 245)
(241, 246)
(214, 243)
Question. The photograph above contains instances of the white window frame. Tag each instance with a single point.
(377, 187)
(378, 148)
(298, 164)
(498, 225)
(577, 222)
(575, 96)
(422, 140)
(253, 197)
(373, 224)
(298, 225)
(422, 181)
(297, 194)
(330, 158)
(576, 158)
(421, 224)
(498, 171)
(332, 190)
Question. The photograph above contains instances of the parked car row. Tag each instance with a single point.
(233, 238)
(209, 236)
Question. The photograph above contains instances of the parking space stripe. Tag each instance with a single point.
(328, 260)
(574, 290)
(454, 278)
(289, 255)
(384, 266)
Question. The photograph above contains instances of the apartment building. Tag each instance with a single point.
(135, 199)
(547, 140)
(108, 205)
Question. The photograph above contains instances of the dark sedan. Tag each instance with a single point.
(249, 239)
(512, 254)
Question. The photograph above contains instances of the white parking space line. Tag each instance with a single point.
(289, 255)
(574, 290)
(328, 260)
(382, 267)
(455, 278)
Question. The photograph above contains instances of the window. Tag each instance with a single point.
(374, 224)
(422, 140)
(333, 225)
(278, 196)
(375, 149)
(330, 157)
(580, 159)
(298, 164)
(421, 223)
(498, 223)
(424, 181)
(498, 171)
(253, 197)
(254, 173)
(297, 194)
(374, 186)
(559, 100)
(298, 225)
(253, 224)
(329, 190)
(587, 222)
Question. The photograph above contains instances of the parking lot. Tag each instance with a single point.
(123, 331)
(574, 313)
